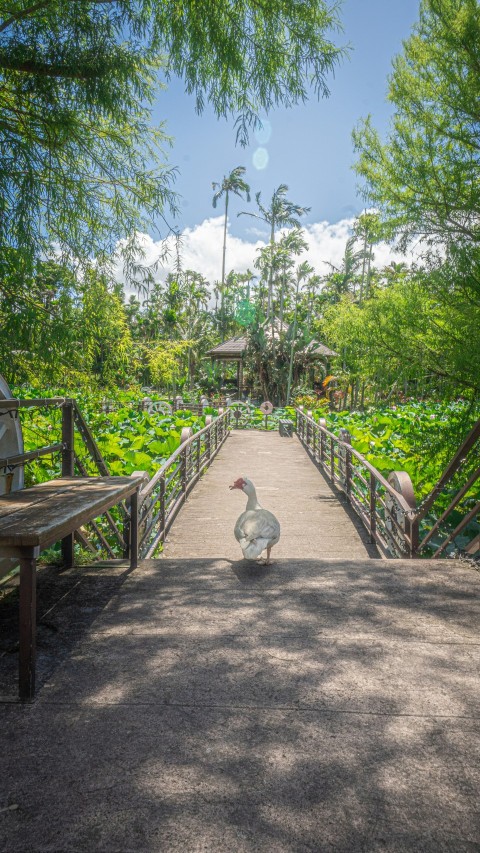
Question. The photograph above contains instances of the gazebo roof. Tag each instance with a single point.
(229, 350)
(278, 326)
(320, 350)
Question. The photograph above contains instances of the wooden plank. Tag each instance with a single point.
(66, 504)
(25, 498)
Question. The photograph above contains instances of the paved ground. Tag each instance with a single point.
(204, 704)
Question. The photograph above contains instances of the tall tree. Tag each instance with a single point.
(343, 279)
(425, 179)
(290, 245)
(282, 213)
(232, 183)
(303, 270)
(80, 164)
(367, 229)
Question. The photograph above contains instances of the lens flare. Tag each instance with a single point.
(260, 158)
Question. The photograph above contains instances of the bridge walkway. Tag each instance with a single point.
(315, 521)
(328, 702)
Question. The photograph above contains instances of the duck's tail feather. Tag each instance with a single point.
(252, 548)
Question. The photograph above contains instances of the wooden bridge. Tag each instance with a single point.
(328, 702)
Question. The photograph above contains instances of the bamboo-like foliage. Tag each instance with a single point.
(80, 164)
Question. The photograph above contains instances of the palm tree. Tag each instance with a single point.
(342, 280)
(246, 279)
(196, 293)
(232, 183)
(282, 213)
(303, 270)
(290, 244)
(367, 229)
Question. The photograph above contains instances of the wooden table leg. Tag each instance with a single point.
(28, 619)
(68, 553)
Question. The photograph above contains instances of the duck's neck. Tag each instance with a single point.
(252, 502)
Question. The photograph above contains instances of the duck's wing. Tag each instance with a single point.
(259, 524)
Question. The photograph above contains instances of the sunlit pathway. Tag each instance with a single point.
(315, 523)
(201, 703)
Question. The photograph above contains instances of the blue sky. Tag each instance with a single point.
(309, 149)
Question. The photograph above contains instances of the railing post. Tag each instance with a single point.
(373, 506)
(309, 427)
(186, 451)
(184, 472)
(208, 438)
(68, 470)
(414, 525)
(347, 440)
(68, 464)
(134, 530)
(332, 460)
(162, 510)
(300, 424)
(402, 483)
(322, 424)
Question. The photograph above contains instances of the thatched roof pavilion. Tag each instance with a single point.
(316, 349)
(231, 350)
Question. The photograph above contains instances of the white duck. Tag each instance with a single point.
(256, 529)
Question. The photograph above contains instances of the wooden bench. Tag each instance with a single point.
(34, 518)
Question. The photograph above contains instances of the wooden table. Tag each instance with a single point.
(34, 518)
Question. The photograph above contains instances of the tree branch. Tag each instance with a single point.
(45, 69)
(42, 4)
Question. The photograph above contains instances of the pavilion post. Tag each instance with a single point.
(240, 378)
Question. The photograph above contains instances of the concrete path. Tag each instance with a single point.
(205, 704)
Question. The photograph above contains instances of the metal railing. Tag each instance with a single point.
(161, 498)
(386, 513)
(446, 522)
(454, 503)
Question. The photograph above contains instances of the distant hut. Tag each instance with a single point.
(231, 350)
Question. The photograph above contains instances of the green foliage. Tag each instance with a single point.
(244, 57)
(77, 145)
(418, 333)
(310, 402)
(425, 179)
(417, 437)
(421, 439)
(129, 438)
(80, 165)
(58, 328)
(253, 417)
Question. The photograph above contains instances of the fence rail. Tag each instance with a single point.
(387, 514)
(387, 506)
(163, 495)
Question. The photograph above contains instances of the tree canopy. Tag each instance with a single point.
(425, 179)
(80, 164)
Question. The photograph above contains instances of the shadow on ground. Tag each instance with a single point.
(211, 705)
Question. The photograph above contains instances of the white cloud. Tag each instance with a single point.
(327, 243)
(201, 249)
